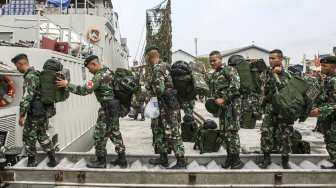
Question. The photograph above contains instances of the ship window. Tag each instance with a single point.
(6, 36)
(83, 73)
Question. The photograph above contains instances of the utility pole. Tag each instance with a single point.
(304, 63)
(196, 53)
(38, 27)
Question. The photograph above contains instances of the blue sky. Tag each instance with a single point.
(296, 27)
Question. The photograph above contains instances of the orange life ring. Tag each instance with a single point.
(93, 35)
(8, 98)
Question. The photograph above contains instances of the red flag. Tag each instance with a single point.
(317, 60)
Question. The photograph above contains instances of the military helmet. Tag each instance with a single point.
(211, 106)
(188, 118)
(180, 68)
(53, 64)
(210, 124)
(235, 60)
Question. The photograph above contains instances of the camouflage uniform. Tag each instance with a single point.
(275, 129)
(327, 107)
(250, 109)
(139, 97)
(167, 134)
(106, 126)
(159, 141)
(35, 127)
(187, 106)
(138, 104)
(319, 101)
(225, 83)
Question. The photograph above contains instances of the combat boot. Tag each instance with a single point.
(236, 163)
(142, 118)
(266, 162)
(284, 161)
(52, 159)
(180, 164)
(121, 160)
(31, 162)
(99, 163)
(227, 162)
(162, 160)
(329, 167)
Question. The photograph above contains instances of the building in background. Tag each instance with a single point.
(182, 55)
(251, 52)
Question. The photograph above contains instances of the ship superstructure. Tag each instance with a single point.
(42, 31)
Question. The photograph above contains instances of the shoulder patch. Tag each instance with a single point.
(89, 84)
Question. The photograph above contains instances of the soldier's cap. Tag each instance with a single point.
(152, 47)
(328, 60)
(19, 57)
(89, 59)
(211, 106)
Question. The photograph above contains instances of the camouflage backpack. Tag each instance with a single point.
(188, 83)
(49, 92)
(125, 85)
(200, 85)
(207, 137)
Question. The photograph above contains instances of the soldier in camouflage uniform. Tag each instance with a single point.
(161, 86)
(319, 123)
(225, 84)
(250, 108)
(32, 114)
(326, 109)
(138, 99)
(275, 128)
(187, 106)
(158, 143)
(107, 126)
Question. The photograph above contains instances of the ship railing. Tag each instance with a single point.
(28, 7)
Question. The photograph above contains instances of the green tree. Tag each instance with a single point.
(205, 61)
(159, 29)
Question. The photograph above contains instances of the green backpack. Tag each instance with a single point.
(295, 100)
(300, 147)
(126, 84)
(188, 132)
(49, 92)
(207, 140)
(183, 80)
(250, 80)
